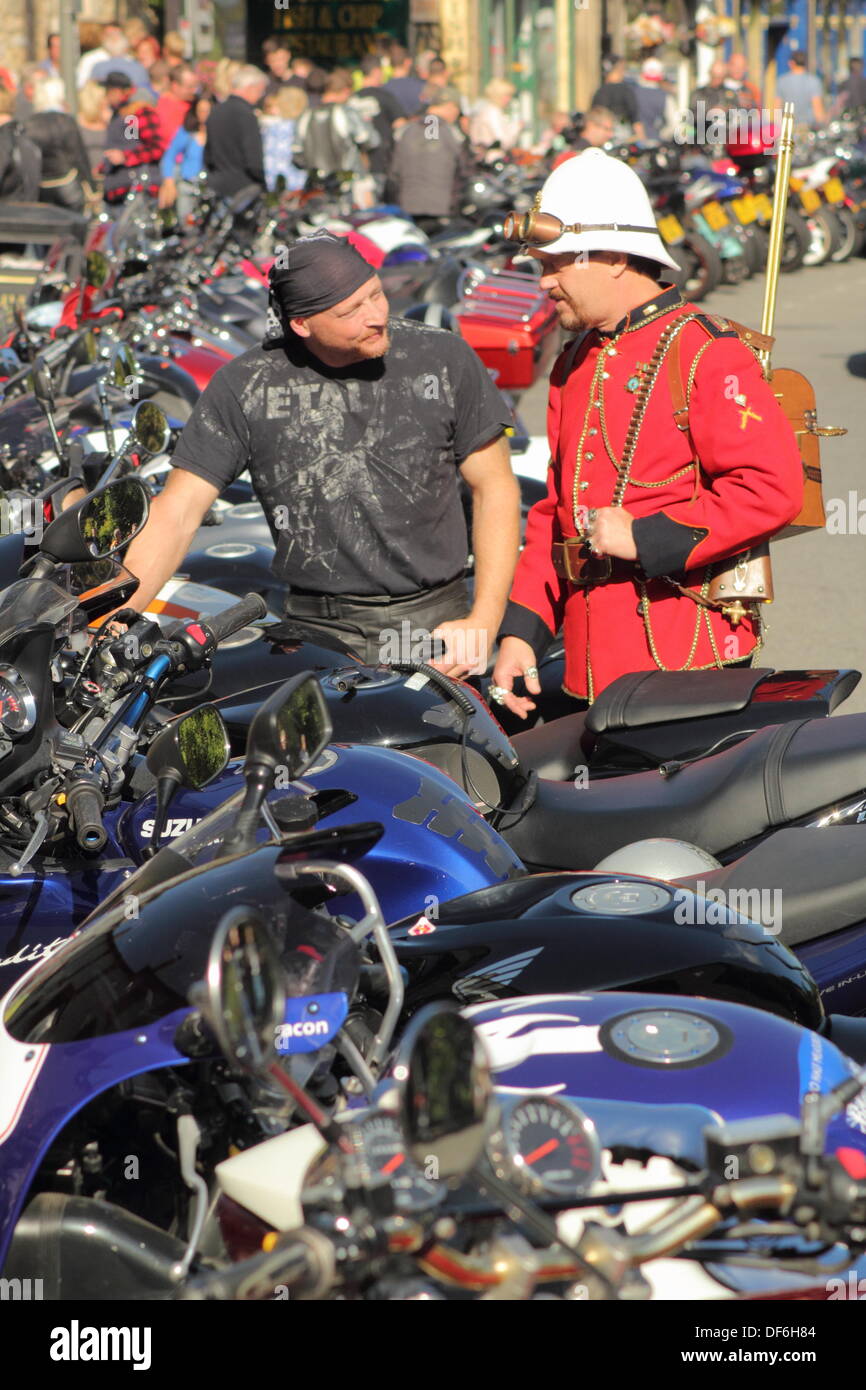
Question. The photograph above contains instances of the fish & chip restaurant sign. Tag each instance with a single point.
(337, 32)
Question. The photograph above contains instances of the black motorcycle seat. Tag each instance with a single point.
(777, 775)
(661, 697)
(816, 880)
(556, 749)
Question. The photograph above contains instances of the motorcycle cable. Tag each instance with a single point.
(668, 769)
(466, 707)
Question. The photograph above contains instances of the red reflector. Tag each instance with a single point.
(198, 633)
(853, 1161)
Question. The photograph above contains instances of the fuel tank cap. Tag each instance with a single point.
(623, 898)
(360, 678)
(665, 1038)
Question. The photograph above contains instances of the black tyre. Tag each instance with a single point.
(795, 243)
(754, 248)
(736, 269)
(700, 265)
(852, 236)
(825, 237)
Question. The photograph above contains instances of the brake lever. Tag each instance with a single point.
(43, 821)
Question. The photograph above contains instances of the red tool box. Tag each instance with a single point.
(511, 324)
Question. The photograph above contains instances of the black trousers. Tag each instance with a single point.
(380, 629)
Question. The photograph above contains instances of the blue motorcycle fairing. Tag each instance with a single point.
(759, 1064)
(46, 903)
(436, 846)
(71, 1075)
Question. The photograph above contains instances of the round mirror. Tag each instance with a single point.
(96, 269)
(203, 745)
(123, 367)
(244, 998)
(445, 1092)
(89, 347)
(150, 428)
(109, 519)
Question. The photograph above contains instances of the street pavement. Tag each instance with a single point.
(818, 619)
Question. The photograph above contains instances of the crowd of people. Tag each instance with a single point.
(145, 116)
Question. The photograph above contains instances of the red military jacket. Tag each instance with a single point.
(750, 485)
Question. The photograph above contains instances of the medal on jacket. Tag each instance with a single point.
(634, 381)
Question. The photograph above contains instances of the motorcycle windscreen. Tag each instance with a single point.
(128, 971)
(30, 601)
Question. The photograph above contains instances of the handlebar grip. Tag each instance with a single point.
(250, 608)
(85, 810)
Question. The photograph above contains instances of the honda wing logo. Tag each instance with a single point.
(490, 982)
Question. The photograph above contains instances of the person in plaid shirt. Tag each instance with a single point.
(134, 142)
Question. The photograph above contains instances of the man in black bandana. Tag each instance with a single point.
(355, 428)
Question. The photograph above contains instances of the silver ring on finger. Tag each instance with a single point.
(531, 672)
(498, 693)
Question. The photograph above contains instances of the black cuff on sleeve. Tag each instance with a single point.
(522, 622)
(663, 545)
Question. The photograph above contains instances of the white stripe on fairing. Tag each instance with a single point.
(20, 1064)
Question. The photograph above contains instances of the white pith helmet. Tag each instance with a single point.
(593, 189)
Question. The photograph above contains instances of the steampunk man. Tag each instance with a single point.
(647, 493)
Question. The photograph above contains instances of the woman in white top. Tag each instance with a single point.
(489, 123)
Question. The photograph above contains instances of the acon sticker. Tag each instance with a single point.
(311, 1021)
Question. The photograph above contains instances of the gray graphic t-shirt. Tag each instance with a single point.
(356, 467)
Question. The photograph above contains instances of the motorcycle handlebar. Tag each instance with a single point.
(248, 610)
(304, 1266)
(84, 801)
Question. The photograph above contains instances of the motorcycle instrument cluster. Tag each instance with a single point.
(382, 1158)
(547, 1147)
(17, 701)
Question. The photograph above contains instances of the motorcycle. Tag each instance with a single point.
(106, 1064)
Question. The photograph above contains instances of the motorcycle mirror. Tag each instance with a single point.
(88, 348)
(96, 269)
(98, 525)
(445, 1092)
(243, 996)
(191, 751)
(291, 728)
(150, 428)
(123, 366)
(287, 734)
(42, 386)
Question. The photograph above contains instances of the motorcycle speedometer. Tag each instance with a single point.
(547, 1147)
(380, 1147)
(17, 701)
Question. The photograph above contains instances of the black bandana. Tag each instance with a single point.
(315, 273)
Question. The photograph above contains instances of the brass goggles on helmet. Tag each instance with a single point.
(537, 228)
